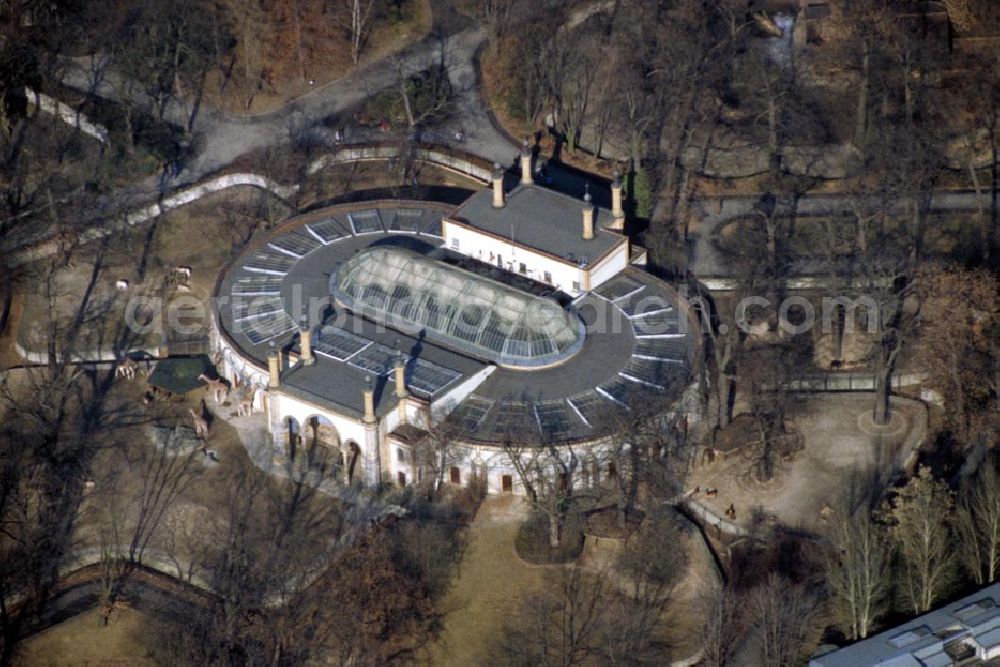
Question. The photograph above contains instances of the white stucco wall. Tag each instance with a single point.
(445, 403)
(487, 249)
(610, 266)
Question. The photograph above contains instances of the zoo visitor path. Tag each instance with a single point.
(707, 260)
(223, 136)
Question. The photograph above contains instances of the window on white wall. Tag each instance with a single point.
(547, 277)
(454, 241)
(576, 285)
(400, 455)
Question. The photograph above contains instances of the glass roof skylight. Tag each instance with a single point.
(457, 308)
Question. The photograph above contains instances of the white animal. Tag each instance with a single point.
(128, 367)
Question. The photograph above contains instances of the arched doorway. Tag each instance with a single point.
(322, 444)
(352, 469)
(292, 432)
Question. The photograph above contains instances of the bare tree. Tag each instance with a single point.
(547, 474)
(781, 613)
(562, 625)
(888, 281)
(357, 16)
(764, 374)
(920, 516)
(434, 454)
(977, 523)
(857, 563)
(651, 564)
(723, 625)
(958, 311)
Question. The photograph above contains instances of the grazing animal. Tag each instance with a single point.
(711, 493)
(200, 424)
(218, 388)
(244, 404)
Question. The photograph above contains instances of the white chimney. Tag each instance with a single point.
(305, 342)
(588, 216)
(498, 200)
(368, 395)
(525, 164)
(273, 366)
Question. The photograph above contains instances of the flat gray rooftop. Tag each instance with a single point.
(929, 639)
(635, 347)
(542, 219)
(637, 351)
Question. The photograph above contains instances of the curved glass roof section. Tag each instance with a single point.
(457, 308)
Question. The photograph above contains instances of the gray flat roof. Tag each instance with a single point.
(330, 381)
(921, 641)
(637, 352)
(635, 347)
(543, 220)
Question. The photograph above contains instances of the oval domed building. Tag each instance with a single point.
(522, 316)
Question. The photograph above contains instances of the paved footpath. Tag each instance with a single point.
(707, 260)
(223, 136)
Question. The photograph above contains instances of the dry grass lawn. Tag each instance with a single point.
(490, 585)
(82, 641)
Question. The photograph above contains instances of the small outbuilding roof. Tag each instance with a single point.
(179, 375)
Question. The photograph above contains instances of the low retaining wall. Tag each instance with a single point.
(188, 195)
(137, 216)
(708, 517)
(66, 114)
(84, 357)
(463, 165)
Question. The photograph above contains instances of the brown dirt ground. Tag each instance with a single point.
(199, 235)
(334, 64)
(82, 641)
(839, 448)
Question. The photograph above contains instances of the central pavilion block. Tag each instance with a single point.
(545, 235)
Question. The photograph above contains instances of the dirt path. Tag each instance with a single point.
(842, 450)
(490, 585)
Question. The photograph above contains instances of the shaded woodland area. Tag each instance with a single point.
(659, 88)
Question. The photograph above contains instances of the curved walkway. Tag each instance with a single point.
(708, 261)
(223, 137)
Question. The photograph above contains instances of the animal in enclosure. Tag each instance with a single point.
(200, 424)
(128, 367)
(219, 389)
(244, 401)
